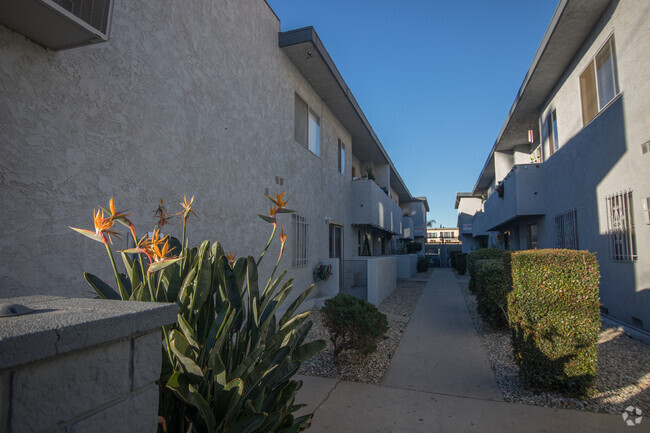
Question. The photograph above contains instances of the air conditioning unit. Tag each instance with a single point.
(59, 24)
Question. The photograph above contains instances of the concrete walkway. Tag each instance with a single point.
(439, 381)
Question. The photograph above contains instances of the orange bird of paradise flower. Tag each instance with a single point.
(187, 209)
(161, 214)
(231, 258)
(120, 217)
(155, 248)
(279, 204)
(283, 240)
(103, 227)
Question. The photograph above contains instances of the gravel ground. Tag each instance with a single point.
(351, 366)
(622, 379)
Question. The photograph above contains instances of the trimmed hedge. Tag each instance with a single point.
(480, 254)
(553, 311)
(422, 264)
(413, 247)
(492, 287)
(461, 263)
(452, 257)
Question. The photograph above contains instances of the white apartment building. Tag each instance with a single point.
(150, 99)
(571, 165)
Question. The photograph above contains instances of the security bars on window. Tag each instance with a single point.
(566, 230)
(300, 243)
(620, 226)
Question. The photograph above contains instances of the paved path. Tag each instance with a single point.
(440, 350)
(439, 381)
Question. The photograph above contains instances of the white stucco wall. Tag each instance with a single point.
(186, 98)
(382, 278)
(604, 157)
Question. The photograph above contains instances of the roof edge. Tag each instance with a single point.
(308, 34)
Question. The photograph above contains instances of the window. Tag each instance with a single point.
(336, 241)
(620, 226)
(306, 126)
(341, 157)
(363, 242)
(566, 230)
(300, 232)
(551, 125)
(599, 82)
(531, 236)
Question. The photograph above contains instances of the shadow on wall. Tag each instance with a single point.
(574, 175)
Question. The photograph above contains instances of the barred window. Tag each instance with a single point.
(300, 231)
(620, 226)
(566, 230)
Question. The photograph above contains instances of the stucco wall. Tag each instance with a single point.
(604, 157)
(186, 98)
(382, 278)
(406, 265)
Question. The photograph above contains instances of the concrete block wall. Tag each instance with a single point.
(81, 365)
(406, 265)
(382, 278)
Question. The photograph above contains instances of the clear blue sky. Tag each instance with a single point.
(434, 78)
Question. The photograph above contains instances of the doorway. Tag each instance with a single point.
(336, 248)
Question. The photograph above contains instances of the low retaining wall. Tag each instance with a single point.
(406, 265)
(81, 365)
(382, 278)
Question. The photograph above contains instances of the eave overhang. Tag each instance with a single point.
(461, 195)
(571, 24)
(306, 51)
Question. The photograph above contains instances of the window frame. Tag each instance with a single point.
(594, 95)
(566, 230)
(304, 133)
(341, 157)
(623, 247)
(300, 233)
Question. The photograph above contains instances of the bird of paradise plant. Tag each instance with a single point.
(228, 362)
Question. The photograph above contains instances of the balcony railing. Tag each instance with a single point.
(371, 206)
(522, 195)
(407, 227)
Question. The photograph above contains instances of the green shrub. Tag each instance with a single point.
(423, 264)
(553, 311)
(353, 324)
(480, 254)
(452, 258)
(227, 363)
(492, 288)
(461, 263)
(413, 247)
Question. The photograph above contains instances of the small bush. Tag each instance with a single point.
(423, 264)
(492, 288)
(553, 311)
(461, 263)
(480, 254)
(353, 324)
(452, 258)
(413, 247)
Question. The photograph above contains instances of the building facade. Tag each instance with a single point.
(441, 242)
(571, 165)
(206, 99)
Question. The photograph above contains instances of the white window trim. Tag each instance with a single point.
(300, 231)
(310, 112)
(612, 41)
